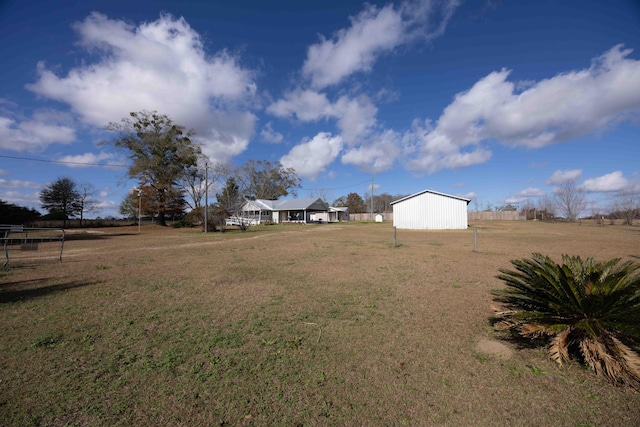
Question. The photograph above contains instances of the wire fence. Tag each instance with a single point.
(29, 245)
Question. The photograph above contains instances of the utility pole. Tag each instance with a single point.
(206, 196)
(371, 199)
(139, 209)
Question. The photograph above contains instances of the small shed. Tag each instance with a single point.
(430, 210)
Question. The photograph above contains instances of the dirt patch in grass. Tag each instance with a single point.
(291, 325)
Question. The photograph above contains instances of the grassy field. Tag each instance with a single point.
(291, 325)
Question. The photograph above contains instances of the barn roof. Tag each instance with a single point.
(432, 192)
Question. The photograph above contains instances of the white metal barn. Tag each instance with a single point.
(430, 210)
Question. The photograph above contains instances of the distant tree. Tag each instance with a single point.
(13, 214)
(194, 183)
(320, 193)
(229, 197)
(546, 208)
(570, 200)
(162, 153)
(86, 201)
(355, 203)
(130, 206)
(381, 203)
(340, 202)
(265, 180)
(61, 198)
(627, 205)
(509, 207)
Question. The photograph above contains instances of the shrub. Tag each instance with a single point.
(183, 223)
(584, 308)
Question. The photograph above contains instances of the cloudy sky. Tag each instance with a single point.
(498, 101)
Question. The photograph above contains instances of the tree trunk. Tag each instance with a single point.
(161, 219)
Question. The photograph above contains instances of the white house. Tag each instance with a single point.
(279, 211)
(430, 210)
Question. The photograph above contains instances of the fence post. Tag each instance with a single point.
(395, 240)
(475, 239)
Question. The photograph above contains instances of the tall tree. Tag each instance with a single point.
(355, 203)
(570, 200)
(229, 197)
(61, 197)
(265, 180)
(161, 152)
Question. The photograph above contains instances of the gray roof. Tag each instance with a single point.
(290, 205)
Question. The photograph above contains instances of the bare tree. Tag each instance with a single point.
(320, 193)
(546, 208)
(195, 182)
(86, 201)
(265, 180)
(570, 200)
(627, 205)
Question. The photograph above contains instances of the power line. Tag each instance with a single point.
(111, 165)
(122, 166)
(335, 188)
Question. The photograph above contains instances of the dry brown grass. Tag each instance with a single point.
(291, 325)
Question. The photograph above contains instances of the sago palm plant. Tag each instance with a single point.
(585, 308)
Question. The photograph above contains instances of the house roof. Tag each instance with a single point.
(432, 192)
(290, 205)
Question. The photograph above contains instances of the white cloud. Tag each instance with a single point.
(33, 134)
(310, 158)
(269, 135)
(471, 195)
(86, 159)
(29, 200)
(524, 195)
(610, 182)
(545, 112)
(562, 176)
(227, 136)
(531, 192)
(305, 105)
(356, 117)
(373, 32)
(430, 150)
(15, 183)
(159, 65)
(378, 154)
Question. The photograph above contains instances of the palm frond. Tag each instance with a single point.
(559, 347)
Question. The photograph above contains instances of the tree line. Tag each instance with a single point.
(173, 176)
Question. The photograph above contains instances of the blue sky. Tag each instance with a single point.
(498, 101)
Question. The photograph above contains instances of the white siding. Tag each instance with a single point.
(430, 211)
